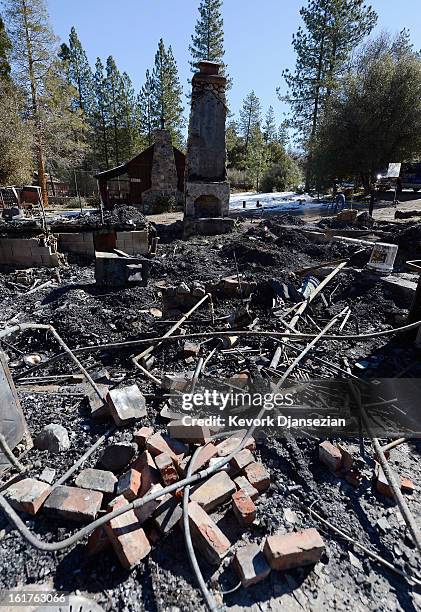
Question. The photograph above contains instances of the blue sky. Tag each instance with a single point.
(257, 36)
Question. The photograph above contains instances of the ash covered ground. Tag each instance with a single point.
(85, 315)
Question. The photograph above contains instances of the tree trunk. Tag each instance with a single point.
(42, 179)
(315, 108)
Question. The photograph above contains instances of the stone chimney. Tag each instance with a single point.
(207, 188)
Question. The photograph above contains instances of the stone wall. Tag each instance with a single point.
(27, 253)
(164, 180)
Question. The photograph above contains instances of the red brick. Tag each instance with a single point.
(27, 495)
(242, 460)
(142, 435)
(242, 483)
(407, 485)
(74, 504)
(214, 492)
(244, 508)
(250, 565)
(144, 512)
(167, 469)
(382, 485)
(291, 550)
(258, 476)
(207, 536)
(128, 539)
(229, 445)
(192, 434)
(160, 443)
(205, 454)
(117, 502)
(148, 471)
(347, 457)
(330, 456)
(129, 484)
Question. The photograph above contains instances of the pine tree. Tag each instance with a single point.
(269, 126)
(34, 51)
(145, 109)
(256, 160)
(250, 118)
(332, 29)
(79, 72)
(129, 133)
(16, 137)
(5, 50)
(208, 37)
(166, 96)
(100, 115)
(114, 93)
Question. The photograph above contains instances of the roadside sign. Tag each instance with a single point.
(394, 170)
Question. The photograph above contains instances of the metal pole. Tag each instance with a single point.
(77, 192)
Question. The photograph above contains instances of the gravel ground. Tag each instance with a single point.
(345, 579)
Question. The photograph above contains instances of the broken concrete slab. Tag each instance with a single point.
(27, 495)
(287, 551)
(97, 480)
(74, 504)
(250, 565)
(127, 405)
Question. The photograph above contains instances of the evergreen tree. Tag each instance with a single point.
(34, 51)
(269, 126)
(100, 116)
(208, 37)
(5, 50)
(250, 119)
(114, 95)
(16, 137)
(130, 134)
(145, 109)
(79, 72)
(332, 29)
(166, 95)
(256, 160)
(65, 128)
(374, 116)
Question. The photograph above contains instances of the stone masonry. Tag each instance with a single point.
(164, 172)
(207, 188)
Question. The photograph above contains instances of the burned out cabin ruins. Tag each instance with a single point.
(208, 392)
(147, 181)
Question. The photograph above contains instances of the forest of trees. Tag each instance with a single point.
(355, 101)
